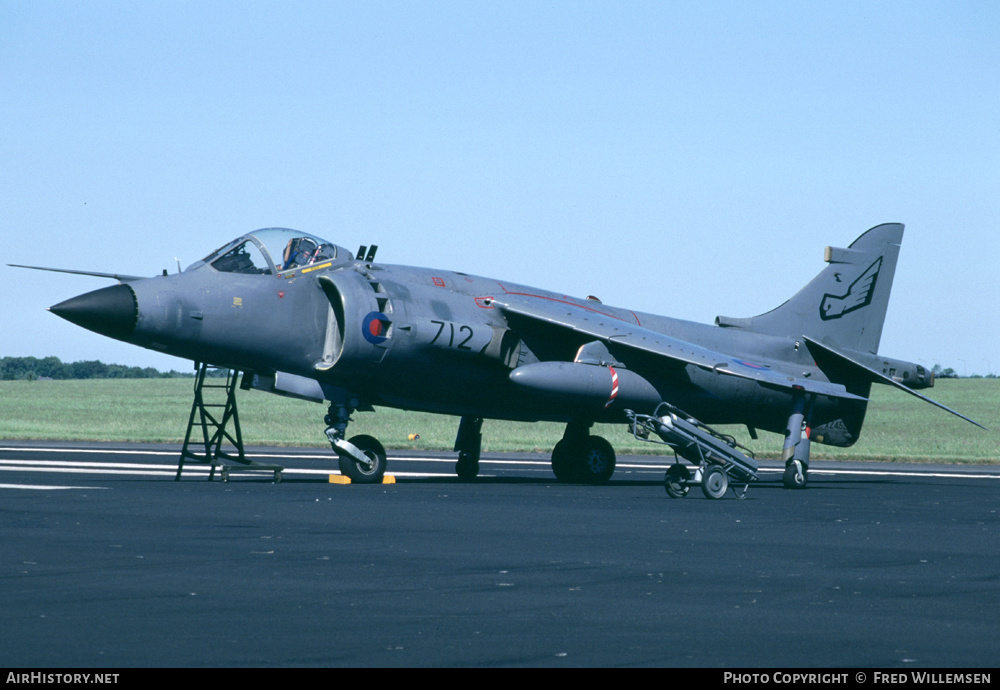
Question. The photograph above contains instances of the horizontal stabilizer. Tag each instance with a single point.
(878, 377)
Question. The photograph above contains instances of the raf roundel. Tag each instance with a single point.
(374, 327)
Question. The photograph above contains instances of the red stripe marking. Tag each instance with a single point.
(569, 302)
(614, 387)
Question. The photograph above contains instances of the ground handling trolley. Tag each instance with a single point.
(718, 456)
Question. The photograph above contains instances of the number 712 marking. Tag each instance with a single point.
(451, 335)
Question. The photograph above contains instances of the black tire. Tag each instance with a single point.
(596, 461)
(362, 474)
(715, 482)
(467, 467)
(562, 462)
(792, 479)
(675, 481)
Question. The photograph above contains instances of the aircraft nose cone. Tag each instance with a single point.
(111, 311)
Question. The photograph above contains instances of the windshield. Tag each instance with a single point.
(275, 250)
(243, 258)
(292, 249)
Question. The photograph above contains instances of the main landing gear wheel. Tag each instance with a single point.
(370, 472)
(590, 460)
(675, 481)
(715, 482)
(467, 467)
(562, 461)
(796, 476)
(468, 444)
(598, 461)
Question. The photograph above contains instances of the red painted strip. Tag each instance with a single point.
(569, 302)
(614, 387)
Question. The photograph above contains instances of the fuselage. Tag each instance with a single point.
(303, 317)
(435, 340)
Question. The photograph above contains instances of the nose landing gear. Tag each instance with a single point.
(362, 458)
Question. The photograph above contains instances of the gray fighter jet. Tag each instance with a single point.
(302, 316)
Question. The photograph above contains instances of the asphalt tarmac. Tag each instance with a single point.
(108, 563)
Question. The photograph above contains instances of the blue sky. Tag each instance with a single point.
(682, 158)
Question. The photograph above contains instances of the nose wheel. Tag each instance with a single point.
(372, 468)
(362, 458)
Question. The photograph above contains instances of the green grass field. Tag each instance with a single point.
(898, 428)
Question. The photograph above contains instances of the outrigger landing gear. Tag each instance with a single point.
(468, 444)
(796, 449)
(581, 457)
(362, 458)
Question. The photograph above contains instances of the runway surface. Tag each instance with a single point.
(109, 563)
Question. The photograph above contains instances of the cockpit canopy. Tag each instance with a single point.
(275, 250)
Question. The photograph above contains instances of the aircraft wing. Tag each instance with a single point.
(615, 332)
(120, 277)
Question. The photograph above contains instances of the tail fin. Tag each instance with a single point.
(846, 302)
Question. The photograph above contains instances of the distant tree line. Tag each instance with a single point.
(33, 368)
(949, 373)
(942, 373)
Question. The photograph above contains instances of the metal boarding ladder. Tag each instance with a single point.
(202, 416)
(720, 460)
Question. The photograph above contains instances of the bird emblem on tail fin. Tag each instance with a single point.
(858, 295)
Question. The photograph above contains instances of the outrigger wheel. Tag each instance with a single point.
(796, 475)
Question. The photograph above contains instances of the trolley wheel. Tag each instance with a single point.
(715, 482)
(675, 481)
